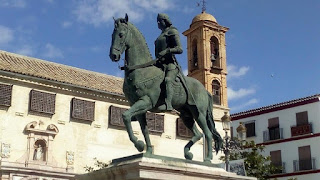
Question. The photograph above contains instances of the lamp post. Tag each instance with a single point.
(229, 143)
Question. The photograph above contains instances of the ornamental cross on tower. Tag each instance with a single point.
(203, 2)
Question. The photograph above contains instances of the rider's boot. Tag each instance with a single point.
(169, 95)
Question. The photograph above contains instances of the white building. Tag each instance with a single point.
(291, 133)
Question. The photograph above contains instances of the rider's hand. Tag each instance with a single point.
(164, 52)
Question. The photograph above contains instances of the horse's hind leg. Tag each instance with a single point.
(138, 108)
(144, 128)
(201, 120)
(190, 123)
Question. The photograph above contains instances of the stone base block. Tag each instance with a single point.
(142, 166)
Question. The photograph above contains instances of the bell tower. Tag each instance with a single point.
(207, 57)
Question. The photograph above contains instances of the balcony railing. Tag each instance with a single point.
(272, 134)
(301, 165)
(301, 130)
(282, 166)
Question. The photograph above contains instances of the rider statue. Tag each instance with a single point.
(166, 46)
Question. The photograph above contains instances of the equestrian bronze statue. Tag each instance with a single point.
(145, 88)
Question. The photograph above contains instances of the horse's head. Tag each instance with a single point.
(119, 38)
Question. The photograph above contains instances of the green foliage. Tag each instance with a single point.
(256, 164)
(97, 165)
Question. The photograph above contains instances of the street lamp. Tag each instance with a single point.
(242, 133)
(229, 143)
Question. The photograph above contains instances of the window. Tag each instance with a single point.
(214, 49)
(302, 118)
(216, 92)
(155, 122)
(231, 133)
(303, 126)
(305, 158)
(116, 116)
(251, 129)
(42, 102)
(182, 130)
(276, 159)
(5, 94)
(274, 130)
(82, 109)
(194, 54)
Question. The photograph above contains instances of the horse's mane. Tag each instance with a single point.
(133, 27)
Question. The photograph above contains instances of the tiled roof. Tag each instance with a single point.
(15, 63)
(276, 107)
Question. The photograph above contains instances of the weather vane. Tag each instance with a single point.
(203, 2)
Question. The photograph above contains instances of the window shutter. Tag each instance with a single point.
(116, 116)
(302, 118)
(5, 94)
(82, 109)
(273, 122)
(42, 102)
(182, 130)
(276, 157)
(155, 122)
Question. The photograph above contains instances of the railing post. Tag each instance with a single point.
(295, 165)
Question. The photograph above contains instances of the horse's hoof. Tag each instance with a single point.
(149, 150)
(140, 146)
(188, 155)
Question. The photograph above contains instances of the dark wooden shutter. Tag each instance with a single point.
(302, 118)
(276, 158)
(116, 116)
(305, 158)
(5, 94)
(42, 102)
(182, 130)
(273, 122)
(155, 122)
(82, 109)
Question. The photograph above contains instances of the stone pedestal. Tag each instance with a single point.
(142, 166)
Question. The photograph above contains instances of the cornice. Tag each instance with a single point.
(63, 86)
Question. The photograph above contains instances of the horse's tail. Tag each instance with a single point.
(216, 136)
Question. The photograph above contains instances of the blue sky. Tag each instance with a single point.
(273, 47)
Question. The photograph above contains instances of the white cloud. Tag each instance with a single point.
(237, 94)
(244, 105)
(6, 35)
(234, 71)
(52, 52)
(66, 24)
(13, 3)
(26, 50)
(185, 72)
(97, 12)
(188, 10)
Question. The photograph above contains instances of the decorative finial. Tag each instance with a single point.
(203, 3)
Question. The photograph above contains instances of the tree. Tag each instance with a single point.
(256, 165)
(97, 165)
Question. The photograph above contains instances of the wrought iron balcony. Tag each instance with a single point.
(282, 166)
(301, 165)
(301, 130)
(272, 134)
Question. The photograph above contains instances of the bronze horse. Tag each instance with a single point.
(143, 85)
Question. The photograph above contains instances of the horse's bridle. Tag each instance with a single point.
(124, 41)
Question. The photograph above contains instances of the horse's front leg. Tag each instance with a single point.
(138, 108)
(144, 128)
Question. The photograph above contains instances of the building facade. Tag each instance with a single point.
(55, 119)
(290, 132)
